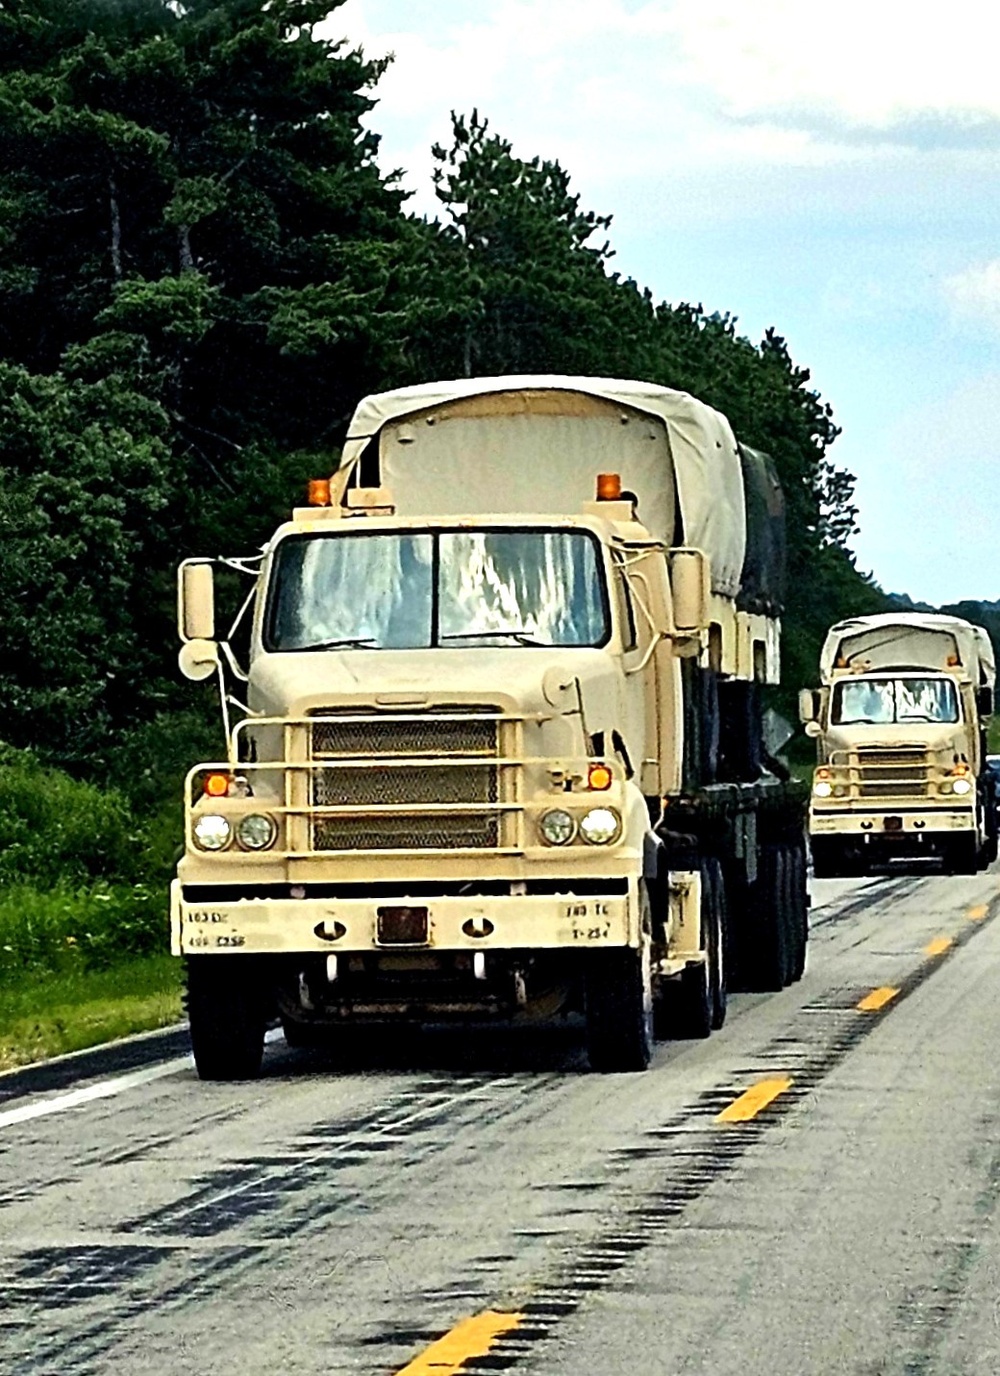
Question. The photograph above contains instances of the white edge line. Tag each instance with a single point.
(105, 1089)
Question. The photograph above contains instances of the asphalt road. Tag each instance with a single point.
(813, 1190)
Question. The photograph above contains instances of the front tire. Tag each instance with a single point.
(963, 856)
(226, 1015)
(618, 996)
(827, 860)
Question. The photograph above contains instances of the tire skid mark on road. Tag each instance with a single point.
(115, 1284)
(658, 1180)
(306, 1173)
(293, 1190)
(888, 889)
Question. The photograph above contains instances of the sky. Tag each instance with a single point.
(830, 168)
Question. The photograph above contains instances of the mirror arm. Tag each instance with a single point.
(233, 662)
(648, 654)
(224, 708)
(242, 612)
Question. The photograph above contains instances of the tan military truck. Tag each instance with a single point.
(900, 727)
(498, 751)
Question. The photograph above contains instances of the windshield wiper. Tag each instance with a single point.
(347, 643)
(522, 637)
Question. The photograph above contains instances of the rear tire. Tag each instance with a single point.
(718, 947)
(798, 910)
(693, 1005)
(619, 1003)
(226, 1016)
(768, 962)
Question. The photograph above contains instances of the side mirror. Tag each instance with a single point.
(198, 659)
(195, 601)
(808, 706)
(984, 700)
(692, 590)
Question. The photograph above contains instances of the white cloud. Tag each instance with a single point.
(869, 61)
(975, 293)
(625, 93)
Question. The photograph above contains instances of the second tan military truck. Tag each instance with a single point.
(498, 751)
(900, 725)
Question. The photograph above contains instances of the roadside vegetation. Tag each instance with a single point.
(204, 268)
(83, 911)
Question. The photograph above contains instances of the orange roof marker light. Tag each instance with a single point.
(599, 777)
(319, 492)
(609, 487)
(216, 785)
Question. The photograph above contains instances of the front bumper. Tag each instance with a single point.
(278, 926)
(886, 822)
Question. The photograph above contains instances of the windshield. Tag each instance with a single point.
(881, 701)
(401, 591)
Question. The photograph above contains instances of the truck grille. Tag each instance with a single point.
(408, 783)
(892, 774)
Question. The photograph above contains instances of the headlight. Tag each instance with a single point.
(961, 786)
(255, 831)
(822, 788)
(600, 825)
(557, 827)
(211, 831)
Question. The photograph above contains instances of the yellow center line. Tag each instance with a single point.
(471, 1338)
(938, 946)
(750, 1103)
(978, 913)
(878, 998)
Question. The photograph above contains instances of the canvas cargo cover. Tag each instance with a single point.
(533, 445)
(908, 640)
(762, 583)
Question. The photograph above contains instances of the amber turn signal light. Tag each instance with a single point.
(216, 785)
(599, 777)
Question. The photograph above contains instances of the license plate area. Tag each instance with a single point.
(402, 926)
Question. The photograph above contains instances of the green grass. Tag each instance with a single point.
(82, 966)
(48, 1015)
(73, 931)
(83, 909)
